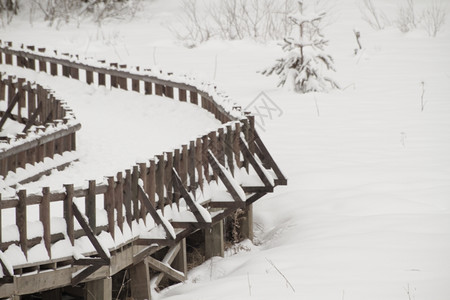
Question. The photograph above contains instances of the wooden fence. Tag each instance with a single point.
(147, 188)
(49, 124)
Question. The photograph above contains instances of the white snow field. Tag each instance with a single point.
(366, 213)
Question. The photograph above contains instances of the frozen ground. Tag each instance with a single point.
(366, 214)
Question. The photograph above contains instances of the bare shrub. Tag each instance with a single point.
(57, 12)
(233, 20)
(433, 17)
(376, 18)
(8, 9)
(406, 16)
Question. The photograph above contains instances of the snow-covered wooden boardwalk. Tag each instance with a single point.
(149, 209)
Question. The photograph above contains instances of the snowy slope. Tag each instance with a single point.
(366, 214)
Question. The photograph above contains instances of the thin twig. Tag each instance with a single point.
(285, 278)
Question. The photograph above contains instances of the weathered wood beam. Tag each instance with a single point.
(8, 111)
(90, 233)
(166, 269)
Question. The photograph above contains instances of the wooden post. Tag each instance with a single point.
(68, 212)
(42, 63)
(31, 62)
(89, 77)
(182, 95)
(127, 197)
(169, 91)
(180, 261)
(160, 182)
(221, 147)
(134, 192)
(236, 147)
(74, 73)
(99, 289)
(148, 88)
(135, 85)
(151, 182)
(251, 134)
(143, 177)
(168, 177)
(53, 69)
(90, 206)
(229, 148)
(213, 147)
(199, 161)
(184, 165)
(191, 167)
(176, 166)
(101, 79)
(21, 221)
(205, 147)
(8, 57)
(214, 240)
(44, 217)
(159, 89)
(109, 203)
(140, 281)
(194, 97)
(118, 197)
(247, 223)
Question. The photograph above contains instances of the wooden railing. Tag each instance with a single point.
(150, 188)
(49, 124)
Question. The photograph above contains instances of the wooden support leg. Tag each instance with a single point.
(180, 261)
(214, 240)
(247, 223)
(99, 289)
(140, 281)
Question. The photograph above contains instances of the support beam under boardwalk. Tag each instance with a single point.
(214, 240)
(99, 289)
(140, 281)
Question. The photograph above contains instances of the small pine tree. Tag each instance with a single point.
(306, 64)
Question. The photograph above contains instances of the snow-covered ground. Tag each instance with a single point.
(366, 214)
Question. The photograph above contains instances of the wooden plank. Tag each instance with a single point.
(281, 179)
(184, 164)
(110, 205)
(101, 79)
(140, 281)
(21, 220)
(153, 213)
(44, 217)
(160, 182)
(168, 259)
(168, 271)
(229, 148)
(159, 89)
(193, 97)
(168, 91)
(90, 207)
(8, 111)
(182, 95)
(205, 147)
(236, 147)
(151, 182)
(230, 188)
(90, 234)
(256, 166)
(199, 161)
(191, 167)
(168, 177)
(148, 87)
(89, 77)
(68, 212)
(127, 197)
(134, 192)
(135, 85)
(184, 193)
(84, 274)
(118, 196)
